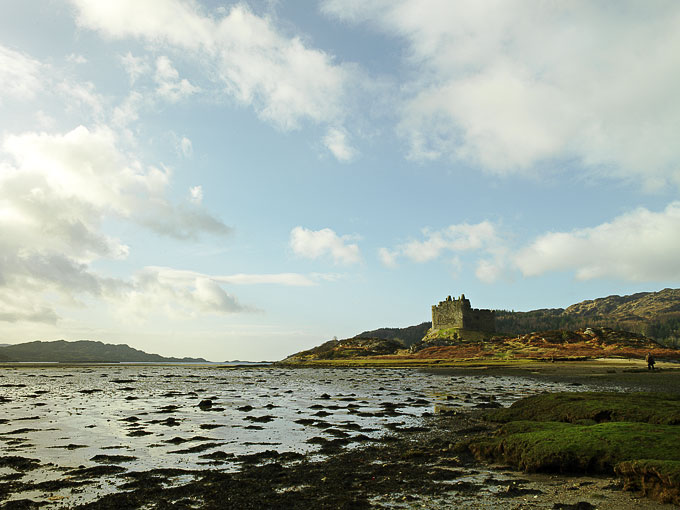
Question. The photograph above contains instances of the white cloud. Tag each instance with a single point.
(128, 111)
(55, 192)
(76, 59)
(336, 142)
(638, 246)
(169, 85)
(19, 75)
(509, 85)
(313, 244)
(482, 238)
(44, 120)
(136, 67)
(489, 270)
(284, 80)
(186, 147)
(176, 293)
(181, 293)
(196, 194)
(455, 238)
(388, 257)
(84, 97)
(88, 168)
(286, 279)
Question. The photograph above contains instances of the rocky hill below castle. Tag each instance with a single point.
(614, 326)
(652, 314)
(546, 345)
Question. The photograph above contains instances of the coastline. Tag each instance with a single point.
(424, 468)
(411, 466)
(419, 469)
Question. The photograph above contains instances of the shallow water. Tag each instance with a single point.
(146, 417)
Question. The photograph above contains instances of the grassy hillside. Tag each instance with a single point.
(652, 314)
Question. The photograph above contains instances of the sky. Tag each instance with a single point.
(244, 180)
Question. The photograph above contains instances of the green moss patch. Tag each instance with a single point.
(594, 407)
(564, 447)
(632, 434)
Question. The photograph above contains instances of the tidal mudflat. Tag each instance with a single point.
(73, 436)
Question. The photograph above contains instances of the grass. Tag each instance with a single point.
(594, 407)
(632, 434)
(569, 448)
(459, 334)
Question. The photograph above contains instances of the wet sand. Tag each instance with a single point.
(605, 374)
(283, 438)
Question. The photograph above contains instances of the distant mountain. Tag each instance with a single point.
(82, 351)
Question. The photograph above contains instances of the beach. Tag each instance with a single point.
(116, 436)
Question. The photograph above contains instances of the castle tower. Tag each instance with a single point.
(458, 314)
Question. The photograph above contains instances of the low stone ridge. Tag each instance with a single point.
(348, 348)
(82, 351)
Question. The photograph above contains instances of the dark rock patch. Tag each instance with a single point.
(112, 459)
(19, 463)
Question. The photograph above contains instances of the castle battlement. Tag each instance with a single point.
(457, 313)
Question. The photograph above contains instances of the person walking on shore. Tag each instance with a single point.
(650, 361)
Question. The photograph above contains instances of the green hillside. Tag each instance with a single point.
(652, 314)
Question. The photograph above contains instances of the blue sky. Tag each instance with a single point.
(243, 180)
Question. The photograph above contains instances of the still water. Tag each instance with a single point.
(195, 417)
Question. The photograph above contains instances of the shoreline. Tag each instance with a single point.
(415, 469)
(605, 373)
(410, 467)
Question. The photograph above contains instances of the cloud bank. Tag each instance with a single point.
(245, 55)
(511, 86)
(480, 238)
(19, 75)
(638, 246)
(56, 191)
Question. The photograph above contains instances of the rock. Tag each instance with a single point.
(206, 404)
(581, 505)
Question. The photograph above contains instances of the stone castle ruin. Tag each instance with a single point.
(457, 313)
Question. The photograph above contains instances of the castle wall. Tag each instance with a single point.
(457, 313)
(448, 314)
